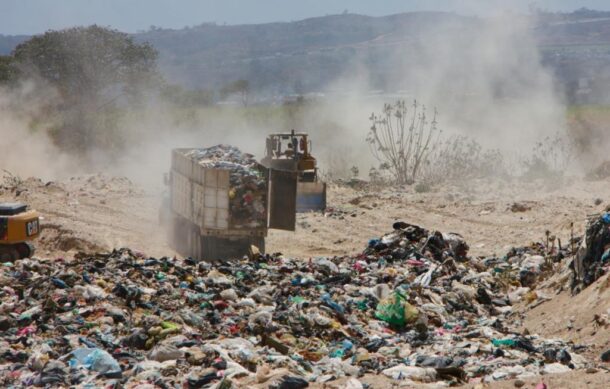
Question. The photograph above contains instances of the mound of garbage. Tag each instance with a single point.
(592, 259)
(413, 307)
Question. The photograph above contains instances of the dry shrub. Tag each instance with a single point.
(461, 158)
(588, 130)
(413, 150)
(402, 139)
(549, 157)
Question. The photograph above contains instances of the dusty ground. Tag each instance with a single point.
(100, 213)
(572, 380)
(106, 212)
(91, 213)
(480, 211)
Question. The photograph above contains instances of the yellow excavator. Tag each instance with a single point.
(18, 226)
(291, 151)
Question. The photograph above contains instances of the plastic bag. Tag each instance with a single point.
(396, 311)
(97, 360)
(289, 382)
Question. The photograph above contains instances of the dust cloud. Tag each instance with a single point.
(24, 149)
(483, 75)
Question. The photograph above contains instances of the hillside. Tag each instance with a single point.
(287, 57)
(307, 55)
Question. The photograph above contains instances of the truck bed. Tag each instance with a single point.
(212, 199)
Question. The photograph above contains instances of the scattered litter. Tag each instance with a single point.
(519, 207)
(412, 306)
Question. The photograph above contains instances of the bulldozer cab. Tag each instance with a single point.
(287, 146)
(292, 152)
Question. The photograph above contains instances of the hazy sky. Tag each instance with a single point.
(35, 16)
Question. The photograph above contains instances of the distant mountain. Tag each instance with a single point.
(305, 56)
(284, 57)
(581, 27)
(9, 42)
(292, 57)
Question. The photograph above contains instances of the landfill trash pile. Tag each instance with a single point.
(248, 183)
(592, 259)
(527, 266)
(412, 307)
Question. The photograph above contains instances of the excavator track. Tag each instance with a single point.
(8, 253)
(13, 252)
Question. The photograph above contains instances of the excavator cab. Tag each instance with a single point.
(18, 226)
(292, 152)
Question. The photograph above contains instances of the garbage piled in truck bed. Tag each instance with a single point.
(412, 307)
(223, 157)
(248, 184)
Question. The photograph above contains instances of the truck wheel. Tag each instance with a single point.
(172, 233)
(222, 248)
(213, 248)
(195, 244)
(179, 235)
(209, 248)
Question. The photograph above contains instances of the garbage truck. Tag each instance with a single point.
(221, 202)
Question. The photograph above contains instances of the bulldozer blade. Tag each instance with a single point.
(311, 196)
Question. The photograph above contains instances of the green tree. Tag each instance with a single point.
(96, 71)
(8, 72)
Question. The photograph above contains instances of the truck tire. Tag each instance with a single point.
(179, 235)
(195, 243)
(211, 249)
(172, 233)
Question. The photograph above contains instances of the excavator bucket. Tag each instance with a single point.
(311, 196)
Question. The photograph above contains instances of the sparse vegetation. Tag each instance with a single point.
(413, 150)
(549, 157)
(461, 158)
(422, 187)
(403, 139)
